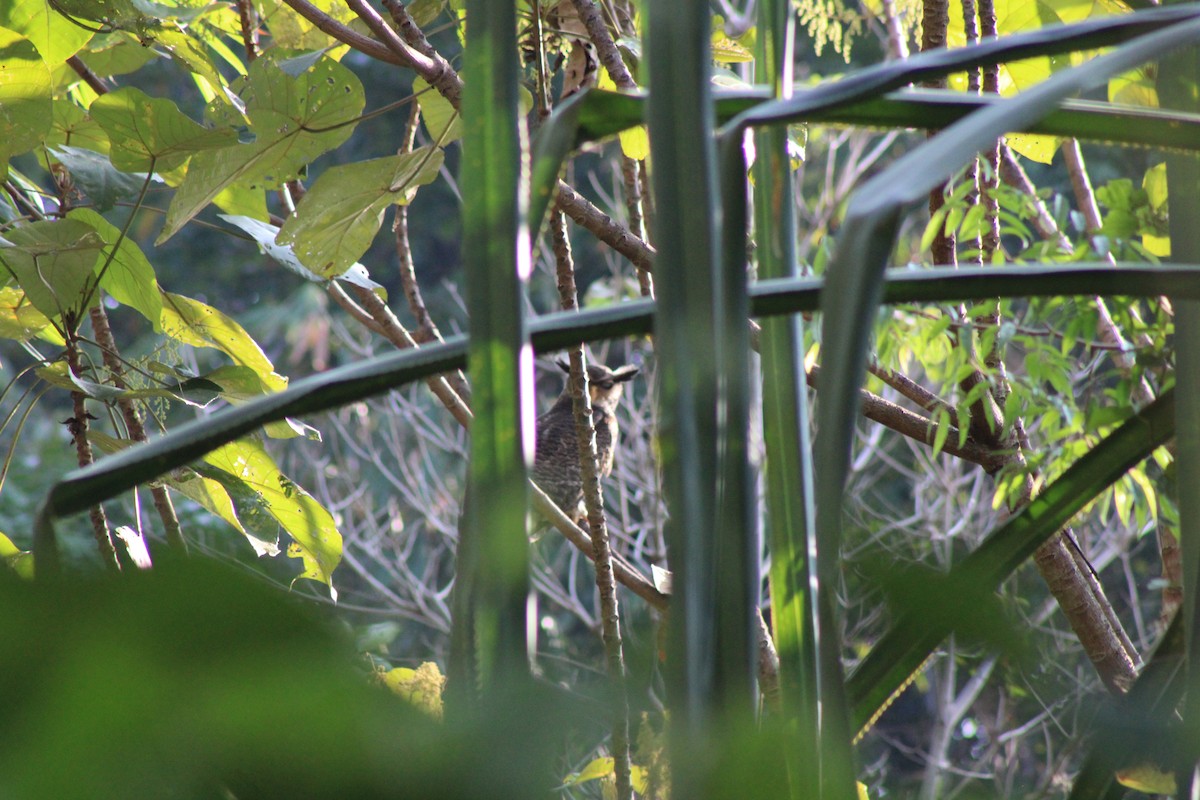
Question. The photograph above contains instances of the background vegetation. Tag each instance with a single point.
(242, 245)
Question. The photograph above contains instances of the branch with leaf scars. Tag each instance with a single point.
(593, 498)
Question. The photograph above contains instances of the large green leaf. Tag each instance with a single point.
(24, 97)
(339, 216)
(53, 262)
(293, 118)
(150, 133)
(128, 277)
(54, 36)
(200, 325)
(95, 174)
(262, 489)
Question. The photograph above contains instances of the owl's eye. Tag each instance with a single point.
(606, 385)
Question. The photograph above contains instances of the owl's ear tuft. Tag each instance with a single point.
(626, 373)
(564, 365)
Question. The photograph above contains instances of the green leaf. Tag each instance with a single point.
(55, 37)
(95, 174)
(72, 126)
(212, 496)
(151, 133)
(337, 220)
(53, 262)
(185, 51)
(201, 325)
(265, 235)
(293, 119)
(129, 277)
(315, 536)
(18, 560)
(25, 106)
(1154, 182)
(424, 12)
(19, 319)
(442, 121)
(117, 53)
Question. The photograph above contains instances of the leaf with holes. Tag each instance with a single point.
(293, 119)
(255, 475)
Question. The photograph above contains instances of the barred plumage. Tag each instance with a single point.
(556, 463)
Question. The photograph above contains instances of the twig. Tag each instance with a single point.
(133, 421)
(77, 425)
(610, 55)
(249, 24)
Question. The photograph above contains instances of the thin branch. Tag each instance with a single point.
(89, 77)
(77, 426)
(133, 421)
(248, 18)
(593, 497)
(344, 34)
(606, 48)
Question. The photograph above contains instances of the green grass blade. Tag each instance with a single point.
(110, 476)
(491, 582)
(738, 576)
(790, 511)
(680, 116)
(1179, 78)
(599, 114)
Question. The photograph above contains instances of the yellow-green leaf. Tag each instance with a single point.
(594, 769)
(442, 121)
(148, 133)
(1148, 778)
(55, 37)
(186, 52)
(422, 687)
(25, 105)
(52, 262)
(293, 119)
(129, 278)
(339, 217)
(19, 320)
(18, 560)
(315, 537)
(1034, 146)
(727, 51)
(200, 325)
(1155, 184)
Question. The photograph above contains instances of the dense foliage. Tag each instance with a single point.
(199, 290)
